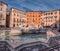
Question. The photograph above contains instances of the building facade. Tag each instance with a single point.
(17, 17)
(3, 7)
(33, 18)
(50, 18)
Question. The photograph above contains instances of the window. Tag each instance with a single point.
(36, 18)
(0, 8)
(44, 13)
(13, 25)
(1, 15)
(55, 12)
(33, 15)
(14, 14)
(51, 17)
(17, 20)
(39, 19)
(51, 13)
(48, 20)
(17, 15)
(55, 16)
(39, 15)
(27, 18)
(48, 13)
(46, 17)
(14, 19)
(3, 19)
(17, 25)
(51, 20)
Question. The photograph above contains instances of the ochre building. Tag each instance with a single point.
(3, 7)
(33, 18)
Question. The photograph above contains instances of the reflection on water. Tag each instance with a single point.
(4, 35)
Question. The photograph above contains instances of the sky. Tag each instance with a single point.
(33, 5)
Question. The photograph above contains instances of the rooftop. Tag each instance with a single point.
(17, 9)
(4, 3)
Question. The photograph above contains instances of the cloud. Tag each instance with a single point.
(9, 6)
(35, 5)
